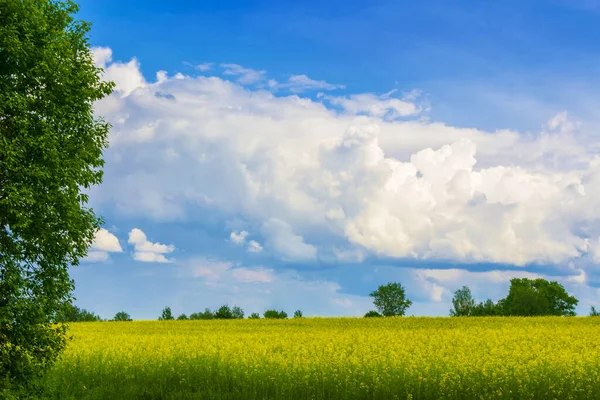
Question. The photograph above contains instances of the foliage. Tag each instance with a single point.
(372, 314)
(274, 314)
(463, 303)
(390, 300)
(224, 312)
(182, 317)
(298, 314)
(166, 314)
(333, 358)
(537, 297)
(237, 312)
(71, 313)
(594, 312)
(207, 314)
(50, 149)
(487, 309)
(122, 316)
(254, 315)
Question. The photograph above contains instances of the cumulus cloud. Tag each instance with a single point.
(305, 175)
(147, 251)
(238, 238)
(104, 243)
(204, 66)
(254, 247)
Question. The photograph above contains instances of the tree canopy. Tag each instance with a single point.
(390, 300)
(463, 303)
(51, 148)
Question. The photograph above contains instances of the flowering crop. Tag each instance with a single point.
(333, 358)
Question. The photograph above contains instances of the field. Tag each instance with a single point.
(341, 358)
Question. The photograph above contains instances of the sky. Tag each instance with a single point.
(297, 155)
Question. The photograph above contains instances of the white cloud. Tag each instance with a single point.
(283, 241)
(303, 173)
(561, 123)
(146, 251)
(104, 243)
(252, 275)
(204, 66)
(254, 247)
(300, 83)
(238, 238)
(245, 76)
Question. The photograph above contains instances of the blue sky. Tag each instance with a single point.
(298, 155)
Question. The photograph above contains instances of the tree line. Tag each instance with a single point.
(526, 297)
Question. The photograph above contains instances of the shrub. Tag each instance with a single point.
(274, 314)
(372, 314)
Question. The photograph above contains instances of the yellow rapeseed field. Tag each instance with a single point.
(333, 358)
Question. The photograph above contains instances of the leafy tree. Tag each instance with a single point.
(224, 312)
(166, 314)
(71, 313)
(530, 297)
(237, 312)
(594, 312)
(50, 149)
(122, 316)
(372, 314)
(182, 317)
(207, 314)
(274, 314)
(487, 309)
(463, 303)
(254, 315)
(297, 314)
(390, 300)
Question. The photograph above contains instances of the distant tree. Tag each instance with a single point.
(390, 300)
(122, 316)
(274, 314)
(224, 312)
(486, 309)
(297, 314)
(594, 312)
(532, 297)
(463, 303)
(207, 314)
(72, 313)
(372, 314)
(254, 315)
(182, 317)
(237, 312)
(166, 314)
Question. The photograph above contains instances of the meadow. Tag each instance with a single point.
(332, 358)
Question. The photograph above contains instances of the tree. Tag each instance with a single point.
(463, 303)
(122, 316)
(594, 312)
(487, 309)
(237, 312)
(166, 315)
(532, 297)
(51, 148)
(372, 314)
(274, 314)
(254, 315)
(224, 312)
(182, 317)
(297, 314)
(390, 300)
(207, 314)
(72, 313)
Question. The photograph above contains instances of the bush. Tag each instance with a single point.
(207, 314)
(297, 314)
(182, 317)
(254, 315)
(372, 314)
(166, 315)
(594, 312)
(122, 316)
(274, 314)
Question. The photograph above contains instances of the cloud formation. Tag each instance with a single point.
(308, 176)
(104, 243)
(146, 251)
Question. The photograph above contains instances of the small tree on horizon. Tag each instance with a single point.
(594, 312)
(254, 315)
(298, 314)
(390, 300)
(463, 303)
(166, 315)
(274, 314)
(372, 314)
(122, 316)
(182, 317)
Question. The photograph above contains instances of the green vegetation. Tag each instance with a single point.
(390, 300)
(50, 149)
